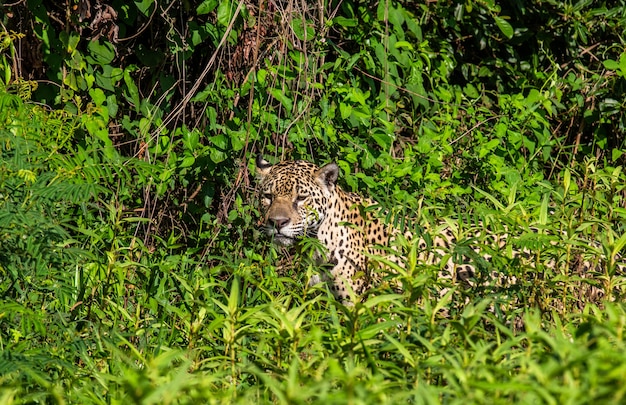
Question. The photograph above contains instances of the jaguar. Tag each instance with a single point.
(300, 199)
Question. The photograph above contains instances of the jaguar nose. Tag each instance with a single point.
(279, 222)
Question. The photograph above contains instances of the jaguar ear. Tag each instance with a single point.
(262, 166)
(328, 175)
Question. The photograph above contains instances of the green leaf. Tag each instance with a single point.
(261, 75)
(100, 53)
(70, 41)
(303, 29)
(345, 22)
(488, 147)
(112, 105)
(403, 44)
(491, 198)
(383, 139)
(109, 77)
(97, 96)
(396, 16)
(616, 154)
(225, 13)
(619, 245)
(187, 161)
(610, 64)
(217, 156)
(233, 299)
(279, 95)
(567, 180)
(132, 93)
(543, 210)
(191, 138)
(144, 6)
(424, 145)
(379, 299)
(206, 7)
(504, 26)
(237, 139)
(345, 110)
(470, 91)
(221, 141)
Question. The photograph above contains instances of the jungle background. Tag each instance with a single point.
(132, 268)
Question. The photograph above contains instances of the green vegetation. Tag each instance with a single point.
(131, 266)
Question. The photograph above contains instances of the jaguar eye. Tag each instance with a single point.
(267, 196)
(301, 197)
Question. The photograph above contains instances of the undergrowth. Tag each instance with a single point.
(131, 265)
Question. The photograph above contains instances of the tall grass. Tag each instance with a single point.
(90, 314)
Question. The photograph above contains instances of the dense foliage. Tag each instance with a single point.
(131, 268)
